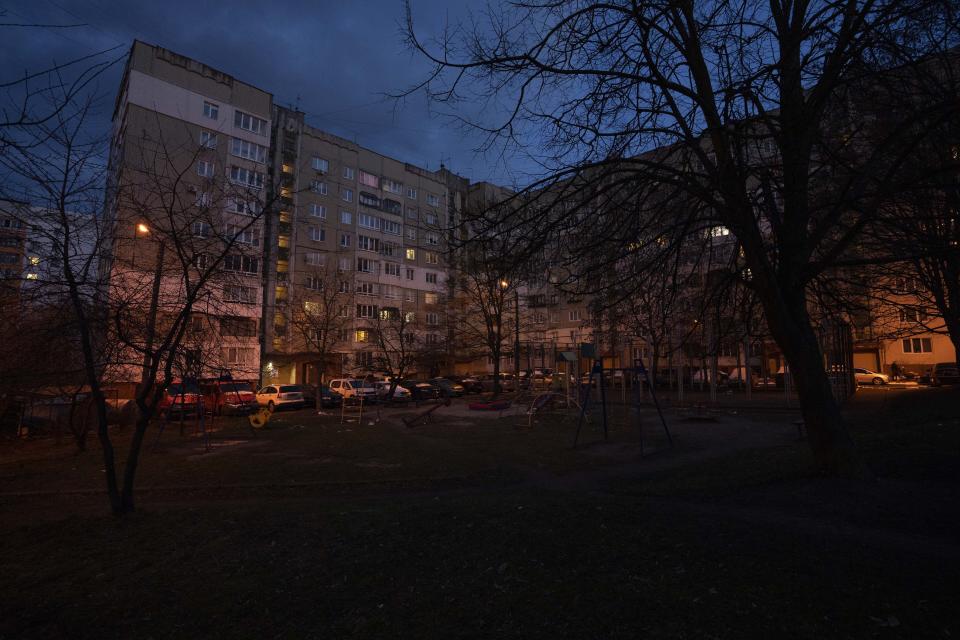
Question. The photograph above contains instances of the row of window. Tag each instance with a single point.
(241, 120)
(368, 179)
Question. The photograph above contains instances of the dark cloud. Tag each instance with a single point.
(335, 60)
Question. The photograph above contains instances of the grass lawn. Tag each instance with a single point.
(471, 527)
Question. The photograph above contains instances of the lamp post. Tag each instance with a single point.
(144, 230)
(516, 341)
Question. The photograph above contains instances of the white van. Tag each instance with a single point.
(354, 388)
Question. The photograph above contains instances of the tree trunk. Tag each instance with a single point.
(829, 440)
(133, 458)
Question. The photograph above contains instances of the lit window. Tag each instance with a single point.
(411, 254)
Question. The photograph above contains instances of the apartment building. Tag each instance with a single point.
(357, 234)
(189, 179)
(330, 239)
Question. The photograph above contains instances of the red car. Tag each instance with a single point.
(223, 397)
(180, 399)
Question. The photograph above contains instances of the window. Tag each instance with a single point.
(411, 254)
(433, 200)
(243, 264)
(369, 179)
(431, 277)
(431, 257)
(366, 243)
(410, 316)
(430, 219)
(233, 293)
(392, 206)
(917, 345)
(433, 238)
(315, 258)
(248, 150)
(346, 195)
(344, 286)
(249, 123)
(367, 221)
(348, 173)
(389, 249)
(411, 233)
(431, 338)
(364, 265)
(433, 318)
(246, 177)
(363, 359)
(369, 200)
(411, 193)
(237, 326)
(346, 217)
(202, 230)
(343, 264)
(314, 283)
(241, 234)
(539, 318)
(366, 288)
(202, 200)
(205, 169)
(409, 295)
(363, 335)
(211, 110)
(243, 206)
(913, 315)
(392, 186)
(391, 227)
(430, 298)
(318, 211)
(319, 164)
(200, 261)
(411, 274)
(238, 355)
(318, 186)
(391, 269)
(719, 232)
(318, 234)
(344, 239)
(366, 310)
(411, 214)
(208, 140)
(574, 315)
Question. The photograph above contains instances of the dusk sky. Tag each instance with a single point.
(336, 60)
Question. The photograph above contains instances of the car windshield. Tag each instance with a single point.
(230, 387)
(177, 389)
(289, 388)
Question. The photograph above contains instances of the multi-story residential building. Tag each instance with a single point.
(331, 239)
(370, 227)
(189, 165)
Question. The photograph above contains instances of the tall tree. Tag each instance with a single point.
(736, 107)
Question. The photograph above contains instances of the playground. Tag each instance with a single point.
(493, 524)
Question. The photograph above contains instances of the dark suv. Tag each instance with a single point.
(945, 373)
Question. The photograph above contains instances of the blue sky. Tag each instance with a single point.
(336, 60)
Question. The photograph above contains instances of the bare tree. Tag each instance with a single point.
(320, 315)
(735, 107)
(397, 343)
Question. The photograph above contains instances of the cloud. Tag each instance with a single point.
(336, 61)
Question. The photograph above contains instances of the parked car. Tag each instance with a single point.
(280, 396)
(865, 376)
(420, 390)
(328, 399)
(470, 384)
(354, 390)
(229, 397)
(399, 394)
(181, 398)
(448, 388)
(945, 373)
(507, 382)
